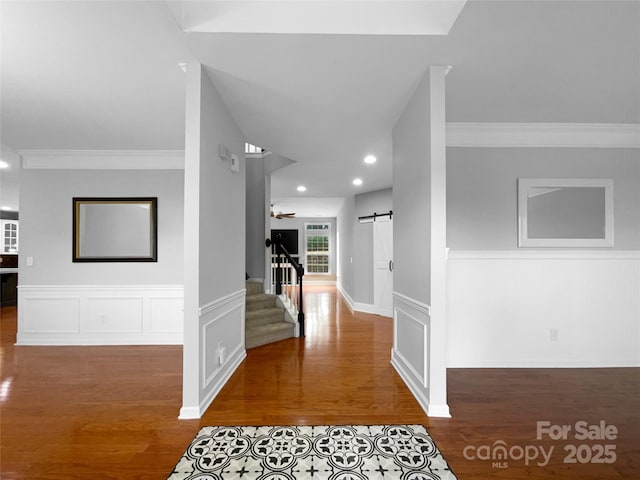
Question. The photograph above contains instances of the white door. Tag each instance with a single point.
(383, 266)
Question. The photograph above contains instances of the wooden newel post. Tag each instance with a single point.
(300, 305)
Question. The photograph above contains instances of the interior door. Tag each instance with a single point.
(383, 266)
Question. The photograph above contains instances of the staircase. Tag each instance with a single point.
(266, 320)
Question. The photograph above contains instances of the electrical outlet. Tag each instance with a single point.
(222, 353)
(554, 335)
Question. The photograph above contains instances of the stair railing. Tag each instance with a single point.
(282, 264)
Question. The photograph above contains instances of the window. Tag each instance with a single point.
(316, 240)
(9, 237)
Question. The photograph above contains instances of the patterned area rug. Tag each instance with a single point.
(389, 452)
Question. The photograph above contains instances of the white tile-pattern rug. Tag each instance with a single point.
(348, 452)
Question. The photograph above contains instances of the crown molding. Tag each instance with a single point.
(543, 135)
(459, 134)
(103, 159)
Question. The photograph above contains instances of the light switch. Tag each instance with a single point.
(29, 261)
(234, 165)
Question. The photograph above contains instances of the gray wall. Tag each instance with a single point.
(345, 233)
(46, 226)
(366, 204)
(380, 201)
(256, 217)
(411, 198)
(355, 277)
(482, 191)
(222, 200)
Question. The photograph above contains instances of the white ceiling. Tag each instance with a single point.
(308, 207)
(353, 17)
(105, 75)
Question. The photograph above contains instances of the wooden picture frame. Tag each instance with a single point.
(115, 229)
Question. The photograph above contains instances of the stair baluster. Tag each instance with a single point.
(282, 274)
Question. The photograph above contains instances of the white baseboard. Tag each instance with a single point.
(222, 378)
(347, 298)
(409, 377)
(189, 413)
(372, 309)
(441, 411)
(365, 308)
(359, 306)
(100, 315)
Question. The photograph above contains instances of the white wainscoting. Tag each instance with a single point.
(100, 315)
(410, 353)
(223, 347)
(530, 308)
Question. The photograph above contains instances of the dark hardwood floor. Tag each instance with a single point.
(111, 412)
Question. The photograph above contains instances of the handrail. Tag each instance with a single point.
(281, 250)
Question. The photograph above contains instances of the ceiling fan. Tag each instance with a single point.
(281, 215)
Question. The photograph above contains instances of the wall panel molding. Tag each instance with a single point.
(222, 327)
(411, 361)
(413, 318)
(232, 298)
(100, 315)
(567, 311)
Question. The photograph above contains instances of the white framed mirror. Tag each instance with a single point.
(565, 212)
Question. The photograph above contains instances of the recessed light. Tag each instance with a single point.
(4, 164)
(357, 181)
(370, 159)
(301, 188)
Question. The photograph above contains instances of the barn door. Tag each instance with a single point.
(383, 266)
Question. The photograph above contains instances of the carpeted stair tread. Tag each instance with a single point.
(264, 316)
(254, 287)
(264, 320)
(258, 335)
(260, 301)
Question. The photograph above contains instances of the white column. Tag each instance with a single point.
(191, 350)
(437, 348)
(419, 208)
